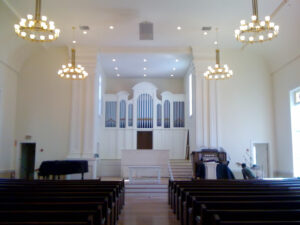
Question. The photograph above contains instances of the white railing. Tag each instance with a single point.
(170, 171)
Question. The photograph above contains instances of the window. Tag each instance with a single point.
(122, 114)
(100, 96)
(110, 114)
(190, 95)
(295, 125)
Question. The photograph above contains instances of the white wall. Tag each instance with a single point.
(285, 80)
(12, 55)
(8, 98)
(44, 104)
(245, 107)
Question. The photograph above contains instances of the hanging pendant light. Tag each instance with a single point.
(257, 30)
(72, 71)
(218, 72)
(37, 28)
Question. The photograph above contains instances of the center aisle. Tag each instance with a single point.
(147, 209)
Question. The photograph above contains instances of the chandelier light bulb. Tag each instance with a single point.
(261, 37)
(254, 17)
(36, 28)
(270, 35)
(255, 30)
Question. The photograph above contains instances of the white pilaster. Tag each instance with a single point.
(83, 115)
(76, 121)
(206, 103)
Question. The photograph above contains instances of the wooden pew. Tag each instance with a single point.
(197, 210)
(47, 216)
(185, 196)
(217, 216)
(103, 199)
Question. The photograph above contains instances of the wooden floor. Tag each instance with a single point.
(143, 210)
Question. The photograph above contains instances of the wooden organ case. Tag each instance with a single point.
(207, 155)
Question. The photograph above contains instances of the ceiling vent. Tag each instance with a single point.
(206, 28)
(146, 31)
(84, 28)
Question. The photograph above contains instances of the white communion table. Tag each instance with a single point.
(141, 164)
(136, 173)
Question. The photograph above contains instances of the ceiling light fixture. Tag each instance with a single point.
(178, 28)
(176, 60)
(111, 27)
(118, 75)
(71, 70)
(205, 33)
(113, 60)
(84, 32)
(257, 30)
(174, 68)
(37, 28)
(116, 68)
(145, 75)
(145, 60)
(172, 75)
(218, 72)
(145, 68)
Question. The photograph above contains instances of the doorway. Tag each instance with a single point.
(295, 128)
(144, 140)
(27, 161)
(261, 158)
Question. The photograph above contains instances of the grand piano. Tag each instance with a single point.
(63, 167)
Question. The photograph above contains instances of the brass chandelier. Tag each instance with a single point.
(257, 30)
(218, 72)
(37, 28)
(72, 71)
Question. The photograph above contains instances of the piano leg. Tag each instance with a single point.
(82, 176)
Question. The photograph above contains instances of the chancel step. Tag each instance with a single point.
(180, 169)
(146, 189)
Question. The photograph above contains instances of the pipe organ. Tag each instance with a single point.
(124, 117)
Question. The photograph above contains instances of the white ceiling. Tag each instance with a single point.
(166, 15)
(156, 65)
